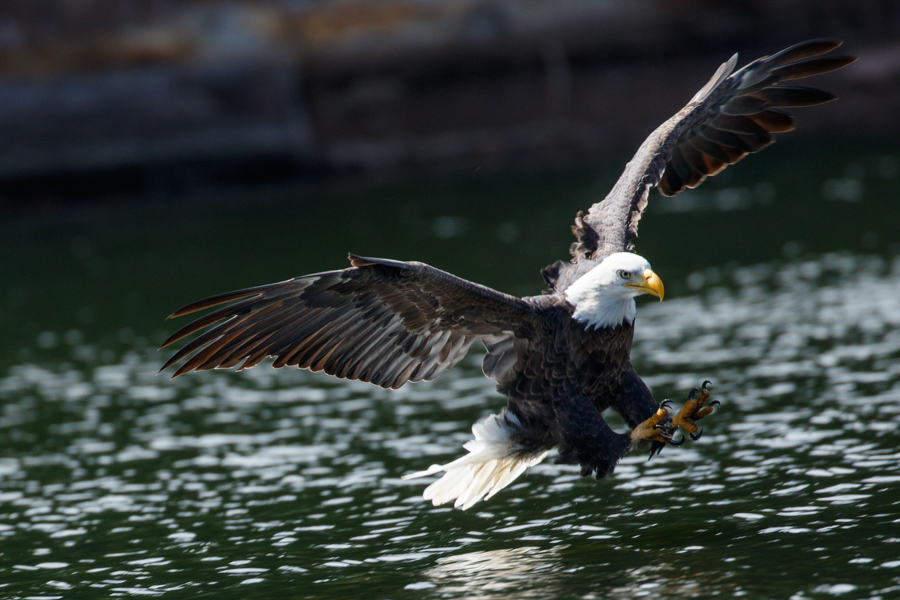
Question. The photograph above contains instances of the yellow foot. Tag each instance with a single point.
(654, 429)
(694, 409)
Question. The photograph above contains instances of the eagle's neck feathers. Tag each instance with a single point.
(598, 310)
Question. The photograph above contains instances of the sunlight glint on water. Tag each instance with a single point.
(130, 483)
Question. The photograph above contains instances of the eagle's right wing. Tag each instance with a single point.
(730, 117)
(382, 321)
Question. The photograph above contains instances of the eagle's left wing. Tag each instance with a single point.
(730, 117)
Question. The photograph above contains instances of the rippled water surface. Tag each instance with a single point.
(279, 483)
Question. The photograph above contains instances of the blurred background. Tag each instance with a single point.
(153, 152)
(156, 97)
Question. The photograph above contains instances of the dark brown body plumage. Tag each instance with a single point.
(564, 377)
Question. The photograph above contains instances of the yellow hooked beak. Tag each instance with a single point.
(652, 285)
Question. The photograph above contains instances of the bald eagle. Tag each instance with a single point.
(561, 358)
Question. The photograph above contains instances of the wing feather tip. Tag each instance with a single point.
(169, 341)
(180, 313)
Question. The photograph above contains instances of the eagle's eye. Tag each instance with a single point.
(624, 275)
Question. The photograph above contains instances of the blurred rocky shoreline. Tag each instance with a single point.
(157, 95)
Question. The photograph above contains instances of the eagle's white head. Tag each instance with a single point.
(604, 296)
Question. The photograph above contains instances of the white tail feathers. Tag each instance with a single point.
(493, 462)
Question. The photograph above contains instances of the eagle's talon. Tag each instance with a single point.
(656, 428)
(679, 442)
(663, 432)
(695, 409)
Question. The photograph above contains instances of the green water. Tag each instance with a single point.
(783, 287)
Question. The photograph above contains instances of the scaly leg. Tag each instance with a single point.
(693, 410)
(657, 428)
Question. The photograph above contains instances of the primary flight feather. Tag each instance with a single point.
(560, 358)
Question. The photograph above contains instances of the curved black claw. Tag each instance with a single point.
(715, 403)
(665, 403)
(695, 436)
(664, 432)
(681, 441)
(707, 384)
(693, 393)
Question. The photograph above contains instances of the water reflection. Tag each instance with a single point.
(523, 572)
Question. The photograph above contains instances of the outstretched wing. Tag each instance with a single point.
(382, 321)
(730, 117)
